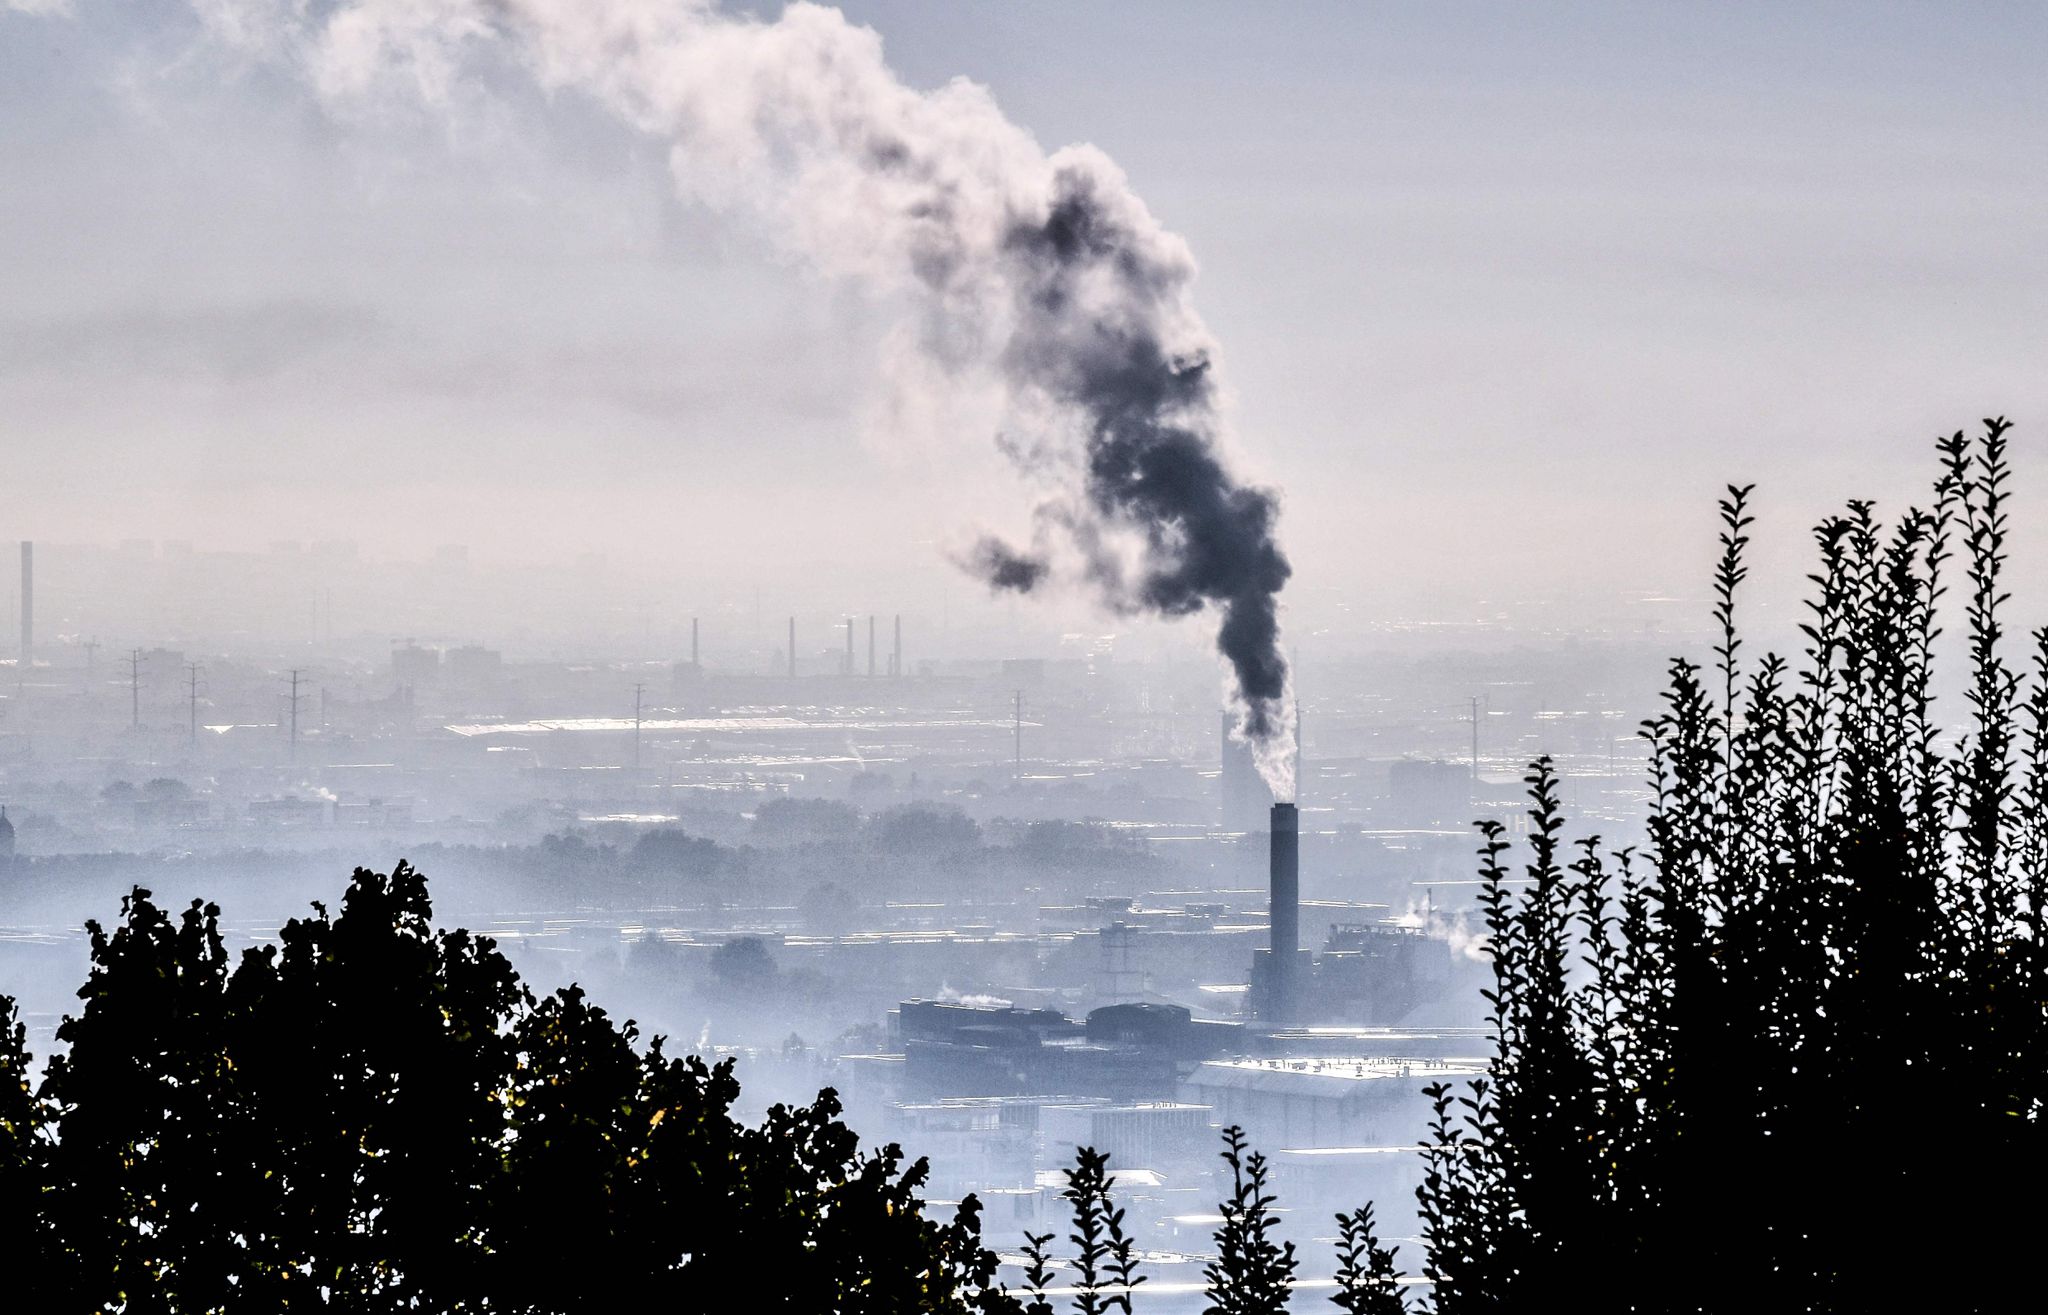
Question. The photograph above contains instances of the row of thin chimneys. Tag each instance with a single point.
(28, 628)
(847, 667)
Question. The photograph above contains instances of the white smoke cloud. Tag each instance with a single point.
(1454, 928)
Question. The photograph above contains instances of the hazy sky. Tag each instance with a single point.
(1505, 294)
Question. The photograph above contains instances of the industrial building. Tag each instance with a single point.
(1320, 1102)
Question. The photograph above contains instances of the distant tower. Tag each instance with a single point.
(1276, 973)
(28, 606)
(792, 648)
(6, 836)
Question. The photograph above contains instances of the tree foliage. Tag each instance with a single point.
(1368, 1276)
(1788, 1055)
(1791, 1053)
(1253, 1272)
(371, 1115)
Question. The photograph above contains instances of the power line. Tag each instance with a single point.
(1475, 739)
(638, 690)
(193, 671)
(293, 750)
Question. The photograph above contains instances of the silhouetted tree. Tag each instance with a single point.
(671, 853)
(787, 818)
(23, 1148)
(1252, 1273)
(829, 910)
(371, 1115)
(743, 964)
(1791, 1053)
(1105, 1258)
(925, 829)
(1037, 1273)
(1796, 1043)
(1368, 1278)
(1087, 1197)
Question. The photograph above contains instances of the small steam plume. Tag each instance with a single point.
(1039, 276)
(1453, 927)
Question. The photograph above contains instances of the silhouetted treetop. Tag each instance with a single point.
(372, 1115)
(1790, 1054)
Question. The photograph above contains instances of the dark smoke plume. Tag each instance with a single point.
(1005, 568)
(1039, 278)
(1150, 469)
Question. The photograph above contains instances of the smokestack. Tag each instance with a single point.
(792, 648)
(28, 607)
(693, 641)
(1284, 908)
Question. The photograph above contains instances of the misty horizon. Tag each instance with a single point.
(924, 658)
(310, 354)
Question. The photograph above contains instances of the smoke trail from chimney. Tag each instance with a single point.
(1040, 274)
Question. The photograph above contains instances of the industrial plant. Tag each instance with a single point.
(1005, 905)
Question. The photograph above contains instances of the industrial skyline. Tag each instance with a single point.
(1044, 582)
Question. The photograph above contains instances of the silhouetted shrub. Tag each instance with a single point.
(1368, 1278)
(1252, 1274)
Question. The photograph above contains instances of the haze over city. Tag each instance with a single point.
(1466, 275)
(987, 559)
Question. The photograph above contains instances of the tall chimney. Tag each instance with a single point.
(693, 641)
(792, 647)
(1284, 908)
(28, 607)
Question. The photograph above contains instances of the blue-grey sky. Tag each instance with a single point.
(1504, 294)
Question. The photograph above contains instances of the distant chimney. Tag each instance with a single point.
(792, 647)
(693, 641)
(1284, 909)
(28, 607)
